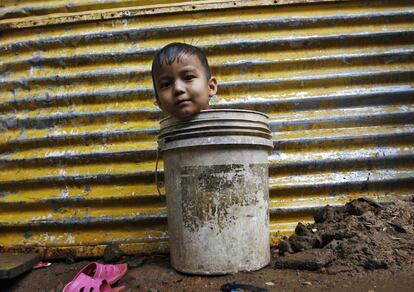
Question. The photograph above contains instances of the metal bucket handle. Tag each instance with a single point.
(156, 173)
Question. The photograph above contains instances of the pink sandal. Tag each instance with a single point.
(110, 273)
(97, 276)
(86, 283)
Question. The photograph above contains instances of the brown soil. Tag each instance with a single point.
(360, 247)
(156, 275)
(362, 235)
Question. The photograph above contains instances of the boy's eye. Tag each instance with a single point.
(164, 84)
(189, 77)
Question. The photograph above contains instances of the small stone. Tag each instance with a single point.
(375, 264)
(284, 247)
(398, 227)
(360, 206)
(112, 253)
(302, 230)
(69, 259)
(301, 243)
(269, 284)
(306, 283)
(311, 260)
(326, 214)
(136, 262)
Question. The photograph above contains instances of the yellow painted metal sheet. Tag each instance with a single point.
(20, 14)
(78, 122)
(26, 8)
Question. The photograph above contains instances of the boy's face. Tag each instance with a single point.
(182, 87)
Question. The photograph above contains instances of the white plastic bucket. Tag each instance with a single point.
(216, 181)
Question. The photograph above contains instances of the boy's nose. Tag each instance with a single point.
(179, 87)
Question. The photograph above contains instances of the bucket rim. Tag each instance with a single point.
(205, 124)
(216, 110)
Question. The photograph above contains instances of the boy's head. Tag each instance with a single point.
(182, 80)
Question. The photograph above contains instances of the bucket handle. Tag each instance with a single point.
(156, 173)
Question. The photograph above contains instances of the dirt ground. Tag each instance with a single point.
(362, 246)
(154, 273)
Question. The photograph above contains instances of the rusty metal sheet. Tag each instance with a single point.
(78, 122)
(20, 14)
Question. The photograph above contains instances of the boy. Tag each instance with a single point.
(182, 80)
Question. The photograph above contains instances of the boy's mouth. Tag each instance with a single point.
(182, 102)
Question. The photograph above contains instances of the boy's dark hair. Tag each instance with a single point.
(173, 52)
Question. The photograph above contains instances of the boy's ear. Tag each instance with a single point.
(212, 84)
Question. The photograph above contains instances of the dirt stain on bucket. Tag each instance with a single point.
(209, 191)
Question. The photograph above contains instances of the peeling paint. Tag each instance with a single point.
(79, 126)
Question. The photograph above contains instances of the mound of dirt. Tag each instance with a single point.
(362, 235)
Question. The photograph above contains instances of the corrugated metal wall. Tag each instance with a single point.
(25, 8)
(78, 124)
